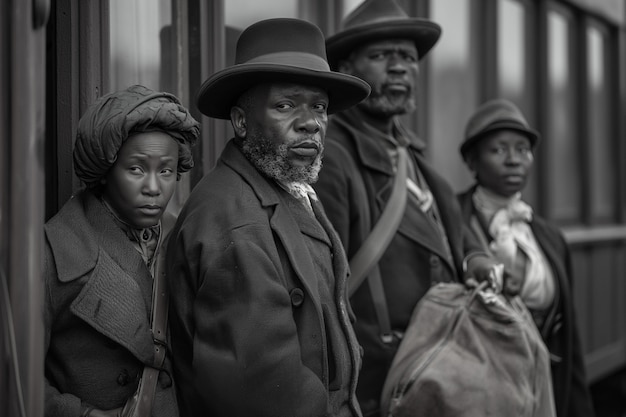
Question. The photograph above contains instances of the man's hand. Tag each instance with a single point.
(480, 268)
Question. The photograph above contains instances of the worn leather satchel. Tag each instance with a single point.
(470, 353)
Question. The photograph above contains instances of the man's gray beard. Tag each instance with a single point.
(380, 105)
(272, 160)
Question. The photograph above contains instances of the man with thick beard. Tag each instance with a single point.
(259, 312)
(382, 45)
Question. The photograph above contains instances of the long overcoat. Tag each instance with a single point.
(249, 330)
(354, 186)
(559, 331)
(98, 298)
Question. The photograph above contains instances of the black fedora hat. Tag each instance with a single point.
(279, 50)
(496, 114)
(376, 20)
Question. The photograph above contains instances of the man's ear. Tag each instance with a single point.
(345, 66)
(238, 120)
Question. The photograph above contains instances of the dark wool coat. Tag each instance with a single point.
(97, 304)
(571, 394)
(354, 186)
(248, 326)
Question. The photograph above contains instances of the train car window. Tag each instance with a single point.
(452, 89)
(512, 77)
(140, 35)
(144, 50)
(240, 14)
(563, 175)
(602, 144)
(515, 66)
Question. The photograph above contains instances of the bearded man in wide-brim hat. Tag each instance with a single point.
(260, 323)
(379, 43)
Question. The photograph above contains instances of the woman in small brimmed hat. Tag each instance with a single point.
(101, 255)
(499, 149)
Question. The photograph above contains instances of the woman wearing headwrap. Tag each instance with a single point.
(101, 252)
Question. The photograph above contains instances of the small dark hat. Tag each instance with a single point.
(495, 115)
(377, 20)
(279, 50)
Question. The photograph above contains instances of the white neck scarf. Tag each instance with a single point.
(301, 191)
(508, 225)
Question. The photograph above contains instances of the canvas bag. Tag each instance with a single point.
(471, 353)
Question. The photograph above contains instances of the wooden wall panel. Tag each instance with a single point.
(599, 294)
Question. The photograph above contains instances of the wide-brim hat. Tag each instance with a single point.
(279, 50)
(493, 115)
(378, 20)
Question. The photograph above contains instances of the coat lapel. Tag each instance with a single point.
(415, 224)
(307, 222)
(111, 303)
(116, 298)
(450, 218)
(281, 221)
(340, 268)
(288, 231)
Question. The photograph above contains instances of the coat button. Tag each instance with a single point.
(123, 378)
(297, 297)
(434, 261)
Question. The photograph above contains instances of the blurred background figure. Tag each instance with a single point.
(368, 147)
(499, 149)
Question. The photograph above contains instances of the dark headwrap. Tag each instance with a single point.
(109, 121)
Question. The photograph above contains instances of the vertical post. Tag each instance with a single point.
(78, 74)
(206, 55)
(25, 184)
(5, 137)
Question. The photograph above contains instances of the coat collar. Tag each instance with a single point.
(281, 220)
(371, 150)
(77, 233)
(71, 240)
(116, 299)
(264, 188)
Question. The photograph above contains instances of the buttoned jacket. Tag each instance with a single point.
(248, 326)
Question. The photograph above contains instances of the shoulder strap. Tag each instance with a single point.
(363, 263)
(373, 247)
(144, 397)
